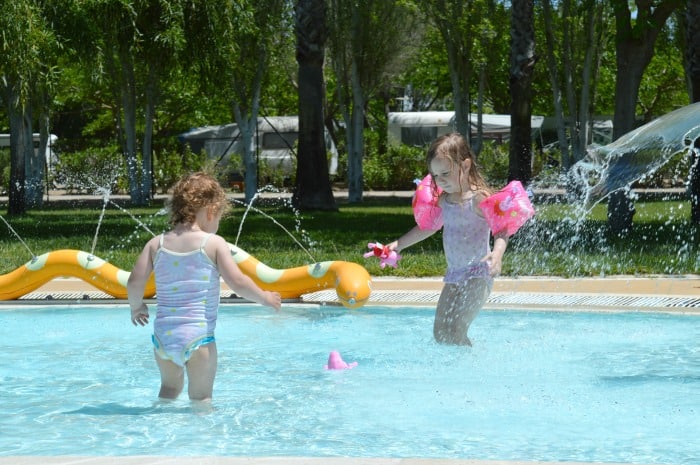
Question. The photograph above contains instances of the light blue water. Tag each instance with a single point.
(536, 386)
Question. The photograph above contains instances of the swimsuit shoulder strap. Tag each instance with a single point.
(204, 240)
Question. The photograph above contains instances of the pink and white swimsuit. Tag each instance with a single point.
(187, 293)
(465, 240)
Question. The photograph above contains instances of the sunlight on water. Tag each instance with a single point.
(535, 386)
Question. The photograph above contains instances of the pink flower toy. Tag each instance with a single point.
(425, 205)
(335, 362)
(386, 256)
(507, 209)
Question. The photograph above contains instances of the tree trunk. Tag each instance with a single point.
(478, 142)
(128, 96)
(581, 142)
(634, 50)
(44, 141)
(34, 162)
(630, 68)
(17, 201)
(356, 142)
(248, 128)
(521, 71)
(246, 106)
(460, 76)
(566, 160)
(147, 146)
(313, 187)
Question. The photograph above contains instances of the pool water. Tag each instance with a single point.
(549, 386)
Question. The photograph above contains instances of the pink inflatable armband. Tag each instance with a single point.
(426, 211)
(386, 256)
(507, 209)
(335, 362)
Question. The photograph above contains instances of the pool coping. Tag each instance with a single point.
(667, 293)
(281, 460)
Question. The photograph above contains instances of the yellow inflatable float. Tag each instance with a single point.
(350, 280)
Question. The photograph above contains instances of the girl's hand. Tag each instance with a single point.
(273, 299)
(139, 317)
(494, 263)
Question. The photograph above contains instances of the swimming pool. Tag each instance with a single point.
(549, 386)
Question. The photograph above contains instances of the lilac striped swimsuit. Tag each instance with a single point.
(465, 240)
(187, 292)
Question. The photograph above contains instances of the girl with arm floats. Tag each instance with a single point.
(471, 262)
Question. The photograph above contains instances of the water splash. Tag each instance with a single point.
(31, 254)
(106, 193)
(105, 200)
(245, 214)
(249, 206)
(131, 215)
(637, 154)
(570, 233)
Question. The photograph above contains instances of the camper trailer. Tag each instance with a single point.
(274, 141)
(420, 128)
(49, 155)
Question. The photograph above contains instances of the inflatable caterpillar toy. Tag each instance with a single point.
(350, 280)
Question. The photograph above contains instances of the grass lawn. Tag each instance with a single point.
(557, 242)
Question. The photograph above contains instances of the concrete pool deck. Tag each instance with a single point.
(677, 293)
(626, 293)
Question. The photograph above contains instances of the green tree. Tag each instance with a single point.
(635, 39)
(132, 47)
(160, 25)
(580, 42)
(231, 44)
(27, 46)
(457, 21)
(363, 44)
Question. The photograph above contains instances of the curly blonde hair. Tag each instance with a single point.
(193, 192)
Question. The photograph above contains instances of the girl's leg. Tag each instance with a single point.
(201, 370)
(457, 307)
(172, 378)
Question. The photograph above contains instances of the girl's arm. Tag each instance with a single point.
(413, 236)
(495, 256)
(136, 284)
(236, 280)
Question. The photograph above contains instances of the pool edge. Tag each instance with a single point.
(281, 460)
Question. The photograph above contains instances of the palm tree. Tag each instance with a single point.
(313, 186)
(522, 65)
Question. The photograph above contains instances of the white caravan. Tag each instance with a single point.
(420, 128)
(49, 155)
(274, 140)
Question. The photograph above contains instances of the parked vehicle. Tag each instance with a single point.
(420, 128)
(275, 141)
(49, 154)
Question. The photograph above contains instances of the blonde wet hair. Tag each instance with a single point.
(193, 192)
(454, 148)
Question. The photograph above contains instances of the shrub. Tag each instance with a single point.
(91, 169)
(493, 162)
(395, 169)
(170, 164)
(4, 169)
